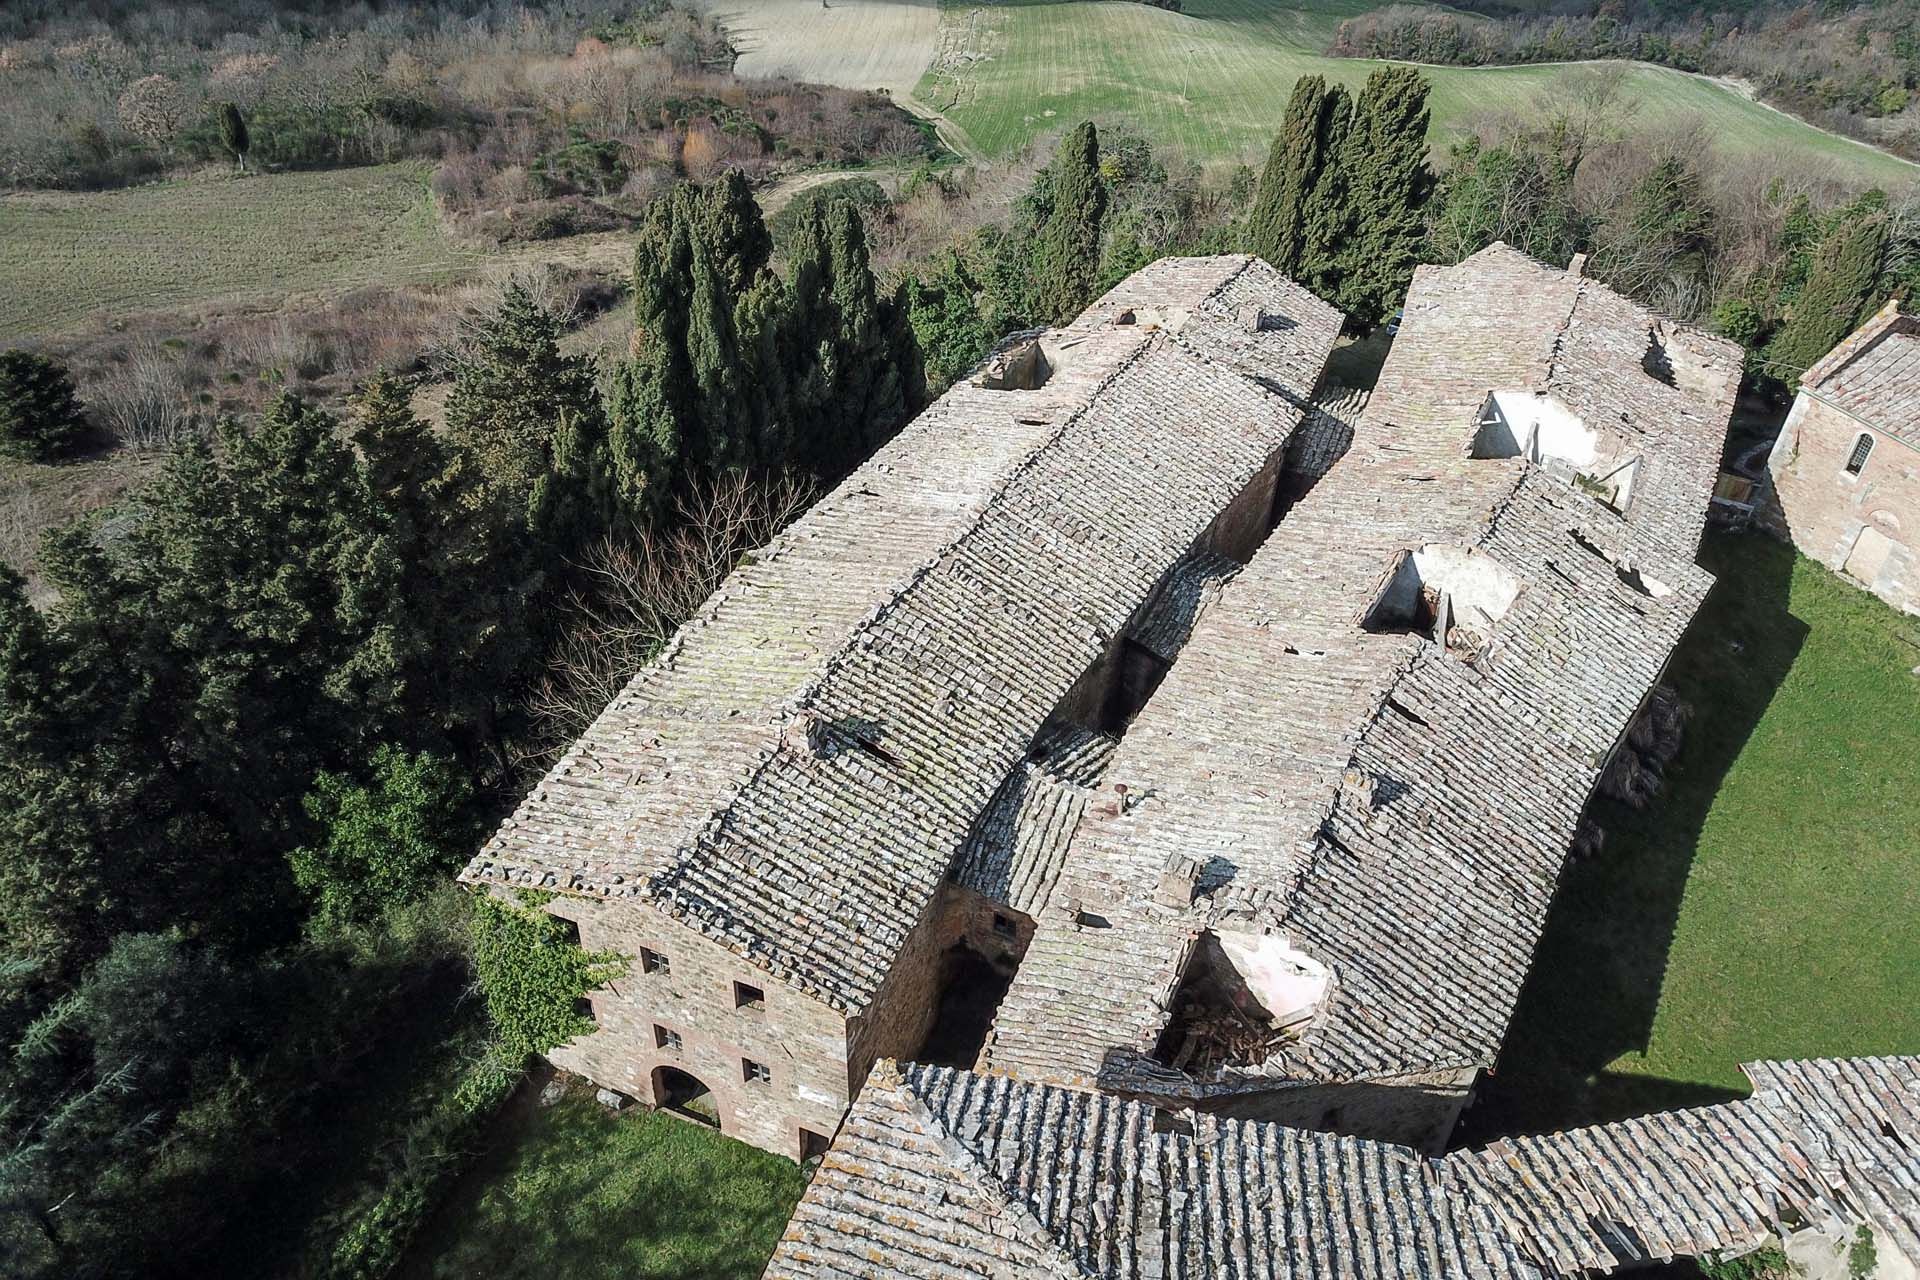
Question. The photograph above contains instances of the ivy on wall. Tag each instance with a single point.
(534, 973)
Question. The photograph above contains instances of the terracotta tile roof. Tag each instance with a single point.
(941, 1174)
(1399, 813)
(801, 766)
(1875, 374)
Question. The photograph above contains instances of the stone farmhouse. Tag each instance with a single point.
(1312, 876)
(949, 1174)
(1145, 728)
(1844, 476)
(776, 818)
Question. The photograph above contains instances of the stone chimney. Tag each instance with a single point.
(1578, 267)
(1177, 882)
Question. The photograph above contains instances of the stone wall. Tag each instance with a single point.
(1839, 519)
(896, 1022)
(802, 1042)
(1417, 1111)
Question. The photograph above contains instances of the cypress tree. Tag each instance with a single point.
(652, 390)
(721, 417)
(234, 135)
(735, 233)
(1276, 228)
(1841, 291)
(693, 397)
(1324, 213)
(760, 334)
(1388, 181)
(1066, 253)
(40, 418)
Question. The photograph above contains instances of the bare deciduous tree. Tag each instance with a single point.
(152, 109)
(634, 593)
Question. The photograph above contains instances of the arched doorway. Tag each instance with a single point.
(676, 1090)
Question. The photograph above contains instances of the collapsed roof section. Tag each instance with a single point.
(801, 766)
(941, 1174)
(1377, 743)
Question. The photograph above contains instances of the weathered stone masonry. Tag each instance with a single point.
(784, 793)
(1844, 475)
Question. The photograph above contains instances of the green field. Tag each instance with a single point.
(66, 256)
(579, 1192)
(1764, 907)
(1214, 80)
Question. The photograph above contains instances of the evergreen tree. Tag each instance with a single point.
(1066, 252)
(1516, 192)
(1324, 214)
(1656, 248)
(693, 397)
(1384, 159)
(945, 314)
(40, 418)
(1842, 290)
(234, 135)
(856, 374)
(1276, 227)
(653, 388)
(530, 423)
(735, 233)
(217, 608)
(54, 879)
(442, 592)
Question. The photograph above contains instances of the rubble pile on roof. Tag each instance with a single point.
(942, 1174)
(1396, 808)
(799, 769)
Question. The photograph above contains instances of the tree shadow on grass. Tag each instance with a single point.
(1595, 984)
(574, 1190)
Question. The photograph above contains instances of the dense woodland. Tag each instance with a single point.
(264, 705)
(1853, 68)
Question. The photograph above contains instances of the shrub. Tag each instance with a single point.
(1765, 1263)
(143, 404)
(385, 843)
(40, 418)
(862, 193)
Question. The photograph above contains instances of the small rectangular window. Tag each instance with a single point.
(755, 1072)
(654, 962)
(1003, 926)
(665, 1039)
(1861, 448)
(748, 997)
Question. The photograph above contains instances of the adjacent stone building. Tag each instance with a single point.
(1845, 473)
(941, 1174)
(1311, 876)
(791, 820)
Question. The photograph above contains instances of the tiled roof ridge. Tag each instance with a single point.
(965, 1156)
(1826, 1143)
(1886, 320)
(660, 888)
(1325, 837)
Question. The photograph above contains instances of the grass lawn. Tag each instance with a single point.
(66, 255)
(1766, 906)
(580, 1192)
(1213, 80)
